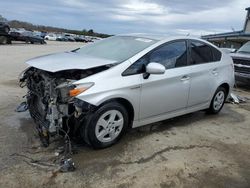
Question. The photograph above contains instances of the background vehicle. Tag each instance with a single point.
(5, 38)
(125, 81)
(4, 27)
(61, 38)
(242, 63)
(69, 38)
(39, 34)
(27, 36)
(228, 50)
(80, 39)
(50, 37)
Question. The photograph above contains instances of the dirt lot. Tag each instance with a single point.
(195, 150)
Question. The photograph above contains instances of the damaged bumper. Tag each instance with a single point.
(50, 102)
(242, 77)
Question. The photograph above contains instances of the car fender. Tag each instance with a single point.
(130, 95)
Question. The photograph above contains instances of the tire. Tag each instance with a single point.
(218, 101)
(9, 41)
(3, 40)
(114, 117)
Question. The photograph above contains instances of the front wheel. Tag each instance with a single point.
(218, 101)
(107, 125)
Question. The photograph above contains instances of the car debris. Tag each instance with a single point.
(236, 99)
(49, 103)
(22, 107)
(242, 99)
(233, 99)
(67, 165)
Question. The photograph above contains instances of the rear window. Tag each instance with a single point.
(216, 54)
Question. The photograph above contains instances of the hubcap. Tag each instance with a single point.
(218, 100)
(109, 126)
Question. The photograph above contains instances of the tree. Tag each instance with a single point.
(90, 32)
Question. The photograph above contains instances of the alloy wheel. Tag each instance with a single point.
(109, 126)
(218, 100)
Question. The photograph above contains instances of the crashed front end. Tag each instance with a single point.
(52, 103)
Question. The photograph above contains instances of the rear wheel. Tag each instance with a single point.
(107, 125)
(218, 101)
(3, 40)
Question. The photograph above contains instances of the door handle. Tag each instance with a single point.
(136, 87)
(215, 72)
(185, 78)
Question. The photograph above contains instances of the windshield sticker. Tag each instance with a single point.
(143, 40)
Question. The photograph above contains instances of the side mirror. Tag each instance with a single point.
(155, 68)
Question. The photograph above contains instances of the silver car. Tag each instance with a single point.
(99, 91)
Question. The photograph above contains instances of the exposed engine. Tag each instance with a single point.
(49, 102)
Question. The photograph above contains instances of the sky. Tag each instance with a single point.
(182, 17)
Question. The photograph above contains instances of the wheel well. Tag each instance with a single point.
(127, 105)
(226, 86)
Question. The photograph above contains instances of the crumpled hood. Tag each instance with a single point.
(67, 61)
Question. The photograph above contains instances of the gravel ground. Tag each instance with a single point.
(195, 150)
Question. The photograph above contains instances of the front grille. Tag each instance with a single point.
(242, 66)
(242, 70)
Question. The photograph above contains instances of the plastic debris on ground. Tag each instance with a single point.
(236, 99)
(22, 107)
(67, 165)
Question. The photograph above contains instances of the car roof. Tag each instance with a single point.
(146, 35)
(160, 37)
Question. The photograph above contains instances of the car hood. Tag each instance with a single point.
(67, 61)
(238, 55)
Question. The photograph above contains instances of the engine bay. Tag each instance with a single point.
(49, 102)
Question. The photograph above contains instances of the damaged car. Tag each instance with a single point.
(99, 91)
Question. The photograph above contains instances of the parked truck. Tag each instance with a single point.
(5, 38)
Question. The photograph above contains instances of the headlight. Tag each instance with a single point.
(80, 89)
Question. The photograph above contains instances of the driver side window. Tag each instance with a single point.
(170, 55)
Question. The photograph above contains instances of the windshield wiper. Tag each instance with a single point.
(75, 50)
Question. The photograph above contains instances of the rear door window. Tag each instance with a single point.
(201, 52)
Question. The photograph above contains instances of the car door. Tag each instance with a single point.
(203, 73)
(168, 92)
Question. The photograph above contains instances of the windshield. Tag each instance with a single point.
(245, 48)
(118, 48)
